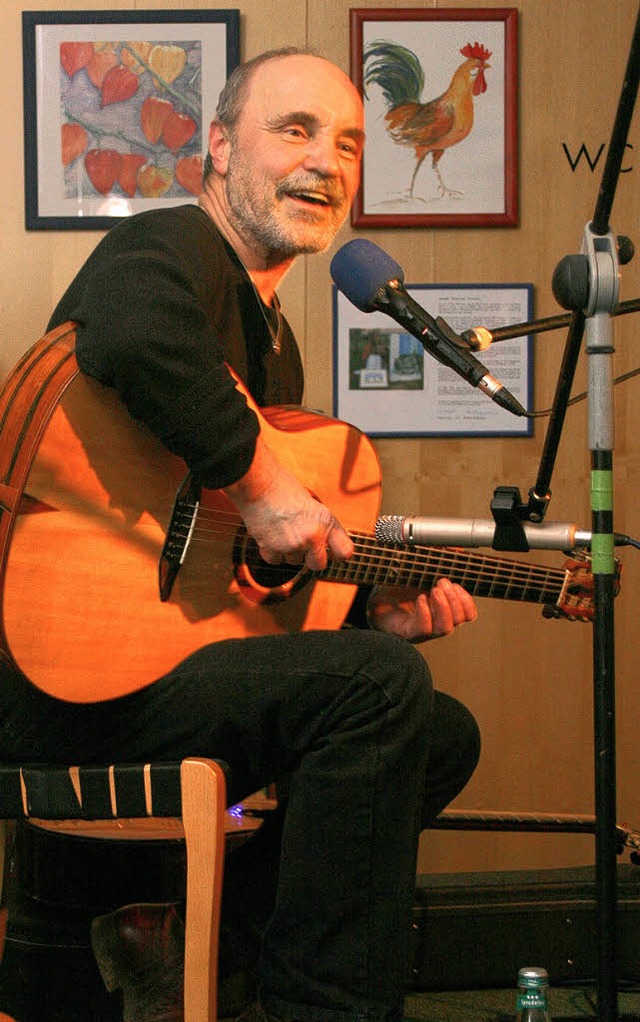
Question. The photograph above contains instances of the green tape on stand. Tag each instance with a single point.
(602, 490)
(602, 555)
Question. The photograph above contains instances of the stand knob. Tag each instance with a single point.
(626, 250)
(570, 282)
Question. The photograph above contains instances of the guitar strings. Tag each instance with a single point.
(229, 520)
(387, 569)
(414, 561)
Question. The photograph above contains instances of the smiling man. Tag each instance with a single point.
(370, 753)
(286, 164)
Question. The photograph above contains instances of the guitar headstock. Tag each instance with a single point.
(576, 600)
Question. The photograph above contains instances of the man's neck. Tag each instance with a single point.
(265, 274)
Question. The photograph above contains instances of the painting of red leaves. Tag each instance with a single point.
(131, 116)
(131, 100)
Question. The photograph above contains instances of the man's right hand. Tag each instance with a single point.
(287, 523)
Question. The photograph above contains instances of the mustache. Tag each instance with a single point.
(297, 182)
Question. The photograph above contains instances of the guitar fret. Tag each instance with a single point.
(515, 589)
(464, 578)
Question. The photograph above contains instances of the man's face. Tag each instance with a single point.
(294, 157)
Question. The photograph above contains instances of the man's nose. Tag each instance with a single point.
(322, 155)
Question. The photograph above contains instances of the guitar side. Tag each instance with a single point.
(81, 611)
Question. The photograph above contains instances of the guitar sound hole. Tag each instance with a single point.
(262, 581)
(270, 576)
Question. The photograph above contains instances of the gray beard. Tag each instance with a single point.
(288, 240)
(280, 236)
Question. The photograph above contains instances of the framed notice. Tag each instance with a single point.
(117, 106)
(387, 384)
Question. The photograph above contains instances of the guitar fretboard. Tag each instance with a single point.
(421, 566)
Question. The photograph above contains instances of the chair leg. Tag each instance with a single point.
(203, 809)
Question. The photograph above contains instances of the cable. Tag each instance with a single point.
(580, 397)
(626, 541)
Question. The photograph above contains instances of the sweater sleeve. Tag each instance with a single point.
(143, 330)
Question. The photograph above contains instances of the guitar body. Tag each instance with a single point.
(114, 566)
(82, 616)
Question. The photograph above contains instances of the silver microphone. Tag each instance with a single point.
(474, 532)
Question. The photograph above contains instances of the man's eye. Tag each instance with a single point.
(295, 132)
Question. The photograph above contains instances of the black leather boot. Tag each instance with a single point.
(140, 950)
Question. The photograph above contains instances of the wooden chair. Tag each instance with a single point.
(193, 791)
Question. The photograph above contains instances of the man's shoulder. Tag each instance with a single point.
(181, 236)
(169, 222)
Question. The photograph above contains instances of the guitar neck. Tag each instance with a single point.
(420, 566)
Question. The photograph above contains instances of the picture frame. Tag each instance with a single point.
(414, 56)
(387, 385)
(117, 106)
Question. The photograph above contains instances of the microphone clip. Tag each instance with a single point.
(508, 513)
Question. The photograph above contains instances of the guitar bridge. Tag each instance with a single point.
(181, 526)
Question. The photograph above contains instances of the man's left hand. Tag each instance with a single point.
(419, 616)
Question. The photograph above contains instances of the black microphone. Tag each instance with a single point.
(373, 282)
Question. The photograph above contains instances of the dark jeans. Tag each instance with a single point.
(370, 754)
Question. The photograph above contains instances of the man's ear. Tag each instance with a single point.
(219, 147)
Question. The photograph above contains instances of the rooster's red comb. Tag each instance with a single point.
(476, 50)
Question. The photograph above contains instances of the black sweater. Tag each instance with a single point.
(161, 305)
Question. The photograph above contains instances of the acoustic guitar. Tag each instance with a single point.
(115, 564)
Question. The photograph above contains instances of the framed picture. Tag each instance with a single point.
(117, 106)
(387, 384)
(440, 97)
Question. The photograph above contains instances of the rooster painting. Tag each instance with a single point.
(430, 127)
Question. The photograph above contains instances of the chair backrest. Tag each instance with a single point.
(50, 792)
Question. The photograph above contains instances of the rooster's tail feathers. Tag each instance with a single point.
(396, 70)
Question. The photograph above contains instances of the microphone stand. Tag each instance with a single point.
(587, 284)
(540, 326)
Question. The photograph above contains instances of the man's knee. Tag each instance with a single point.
(454, 751)
(403, 674)
(456, 728)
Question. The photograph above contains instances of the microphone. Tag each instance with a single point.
(373, 281)
(473, 532)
